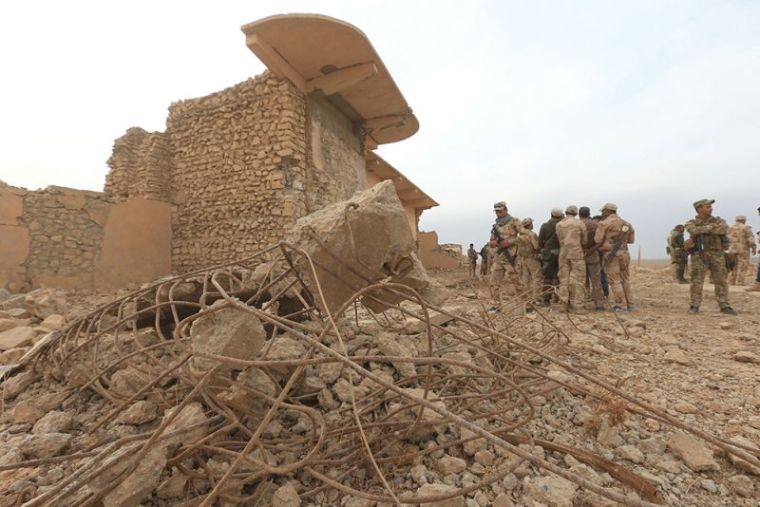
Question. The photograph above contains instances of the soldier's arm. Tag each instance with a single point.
(599, 234)
(631, 234)
(711, 228)
(534, 241)
(584, 235)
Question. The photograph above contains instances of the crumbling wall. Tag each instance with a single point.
(140, 166)
(239, 164)
(337, 166)
(14, 238)
(435, 256)
(66, 231)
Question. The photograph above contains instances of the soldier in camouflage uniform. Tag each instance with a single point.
(755, 287)
(472, 256)
(549, 246)
(678, 256)
(612, 237)
(571, 233)
(504, 238)
(741, 241)
(707, 243)
(593, 262)
(529, 259)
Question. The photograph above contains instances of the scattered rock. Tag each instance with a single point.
(54, 422)
(140, 483)
(430, 490)
(226, 331)
(693, 452)
(26, 412)
(550, 490)
(16, 337)
(744, 356)
(44, 445)
(138, 413)
(54, 322)
(685, 407)
(742, 486)
(631, 453)
(451, 465)
(675, 355)
(286, 496)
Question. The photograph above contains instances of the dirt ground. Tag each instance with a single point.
(703, 369)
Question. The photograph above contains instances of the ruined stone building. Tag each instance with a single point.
(231, 171)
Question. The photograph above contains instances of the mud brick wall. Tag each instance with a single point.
(140, 166)
(65, 234)
(239, 164)
(337, 166)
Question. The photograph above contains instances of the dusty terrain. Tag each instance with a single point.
(703, 372)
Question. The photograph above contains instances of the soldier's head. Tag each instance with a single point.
(556, 213)
(608, 209)
(704, 207)
(500, 208)
(527, 223)
(584, 212)
(471, 245)
(758, 210)
(571, 211)
(679, 227)
(741, 219)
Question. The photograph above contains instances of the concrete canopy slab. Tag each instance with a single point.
(409, 193)
(321, 53)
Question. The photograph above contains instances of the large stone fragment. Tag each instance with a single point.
(693, 452)
(54, 422)
(226, 331)
(16, 337)
(550, 490)
(357, 242)
(45, 445)
(140, 483)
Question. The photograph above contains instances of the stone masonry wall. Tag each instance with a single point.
(140, 166)
(337, 166)
(238, 171)
(65, 234)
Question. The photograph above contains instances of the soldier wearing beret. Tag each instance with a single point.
(549, 247)
(707, 243)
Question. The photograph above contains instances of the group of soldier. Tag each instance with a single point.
(575, 254)
(714, 248)
(572, 251)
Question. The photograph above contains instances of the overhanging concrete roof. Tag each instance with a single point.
(409, 193)
(319, 53)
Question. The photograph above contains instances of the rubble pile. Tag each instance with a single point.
(310, 375)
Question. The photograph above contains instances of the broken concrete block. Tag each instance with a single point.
(550, 490)
(358, 242)
(140, 483)
(138, 413)
(227, 331)
(16, 337)
(54, 322)
(286, 496)
(693, 452)
(45, 445)
(26, 412)
(54, 422)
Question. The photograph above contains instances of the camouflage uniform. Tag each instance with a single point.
(678, 256)
(741, 241)
(528, 262)
(612, 230)
(571, 233)
(506, 228)
(593, 263)
(709, 234)
(549, 246)
(472, 255)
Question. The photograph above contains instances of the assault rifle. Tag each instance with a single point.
(497, 235)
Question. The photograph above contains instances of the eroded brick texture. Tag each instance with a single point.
(239, 163)
(65, 230)
(140, 166)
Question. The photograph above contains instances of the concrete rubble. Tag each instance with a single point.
(313, 374)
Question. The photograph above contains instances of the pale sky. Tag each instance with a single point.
(650, 104)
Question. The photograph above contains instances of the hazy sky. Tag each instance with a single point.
(649, 104)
